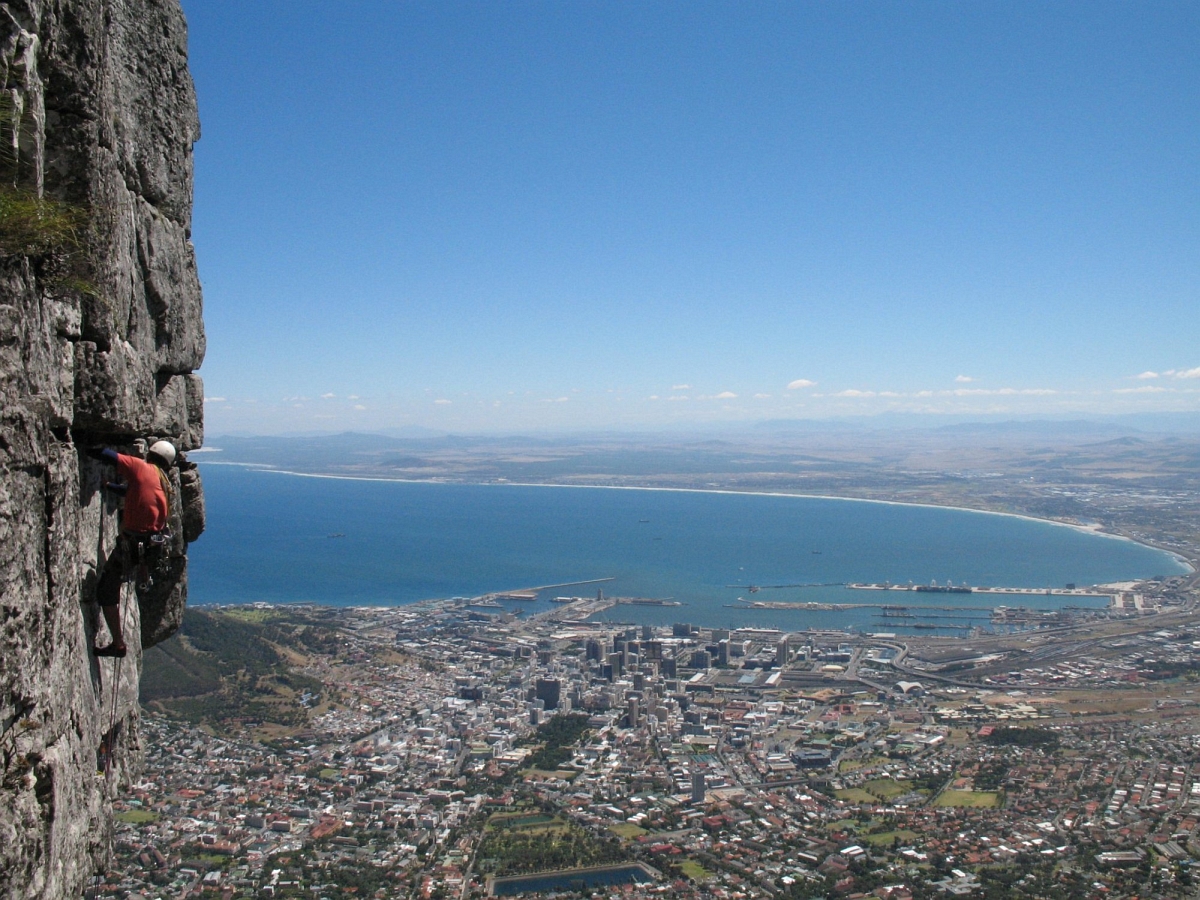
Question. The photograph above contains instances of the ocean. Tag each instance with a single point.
(282, 538)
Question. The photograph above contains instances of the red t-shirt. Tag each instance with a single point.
(145, 502)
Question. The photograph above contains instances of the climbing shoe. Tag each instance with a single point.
(111, 650)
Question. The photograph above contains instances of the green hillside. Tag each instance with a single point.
(225, 670)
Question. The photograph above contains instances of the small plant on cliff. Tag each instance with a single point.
(30, 224)
(37, 226)
(50, 232)
(33, 226)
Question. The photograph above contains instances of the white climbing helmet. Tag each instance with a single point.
(164, 450)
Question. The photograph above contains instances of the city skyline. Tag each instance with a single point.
(474, 218)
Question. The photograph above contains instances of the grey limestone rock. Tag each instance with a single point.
(191, 499)
(100, 334)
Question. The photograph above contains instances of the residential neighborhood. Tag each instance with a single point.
(457, 754)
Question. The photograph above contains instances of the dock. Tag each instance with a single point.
(529, 594)
(1106, 593)
(827, 606)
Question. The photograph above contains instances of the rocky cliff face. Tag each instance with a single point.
(100, 332)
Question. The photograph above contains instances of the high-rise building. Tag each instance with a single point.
(549, 691)
(698, 787)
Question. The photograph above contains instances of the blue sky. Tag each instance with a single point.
(528, 216)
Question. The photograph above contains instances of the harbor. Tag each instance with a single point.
(946, 615)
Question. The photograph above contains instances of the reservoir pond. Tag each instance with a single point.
(572, 880)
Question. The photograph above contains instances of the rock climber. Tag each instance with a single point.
(144, 529)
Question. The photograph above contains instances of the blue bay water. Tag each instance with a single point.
(269, 539)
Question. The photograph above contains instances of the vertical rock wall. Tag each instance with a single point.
(100, 333)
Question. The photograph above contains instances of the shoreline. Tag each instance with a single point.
(1094, 530)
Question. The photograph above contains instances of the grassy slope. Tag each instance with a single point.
(221, 669)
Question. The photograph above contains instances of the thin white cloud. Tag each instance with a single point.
(214, 399)
(761, 396)
(352, 396)
(555, 399)
(1188, 373)
(328, 396)
(1001, 392)
(889, 394)
(678, 397)
(652, 397)
(854, 393)
(1144, 389)
(800, 383)
(726, 395)
(359, 406)
(1146, 375)
(964, 379)
(681, 387)
(923, 394)
(442, 402)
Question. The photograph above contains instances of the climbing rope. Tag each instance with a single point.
(99, 551)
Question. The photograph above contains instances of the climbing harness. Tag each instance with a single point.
(151, 547)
